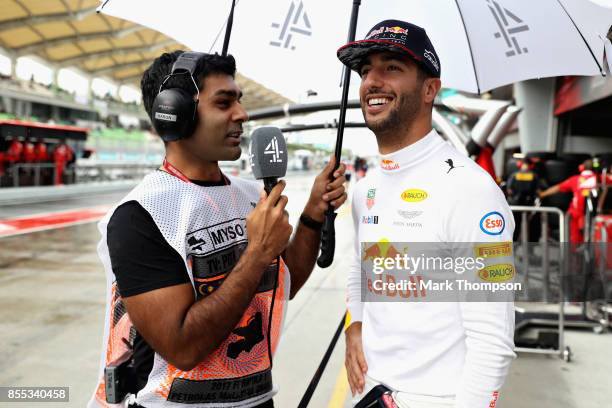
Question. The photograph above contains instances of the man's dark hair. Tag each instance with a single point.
(423, 74)
(161, 67)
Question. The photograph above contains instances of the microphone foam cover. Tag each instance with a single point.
(268, 153)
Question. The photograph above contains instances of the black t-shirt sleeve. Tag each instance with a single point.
(141, 258)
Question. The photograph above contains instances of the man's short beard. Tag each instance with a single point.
(408, 105)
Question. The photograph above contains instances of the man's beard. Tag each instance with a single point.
(399, 118)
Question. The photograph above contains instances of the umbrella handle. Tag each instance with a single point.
(328, 239)
(328, 232)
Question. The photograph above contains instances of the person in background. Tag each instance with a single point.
(522, 188)
(29, 154)
(2, 159)
(357, 168)
(40, 152)
(14, 151)
(62, 155)
(580, 186)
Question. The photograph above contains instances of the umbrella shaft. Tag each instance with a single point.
(228, 29)
(346, 83)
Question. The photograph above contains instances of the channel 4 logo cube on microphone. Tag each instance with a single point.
(268, 153)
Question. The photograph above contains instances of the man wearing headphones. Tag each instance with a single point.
(196, 287)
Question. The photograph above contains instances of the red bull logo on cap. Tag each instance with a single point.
(396, 30)
(375, 32)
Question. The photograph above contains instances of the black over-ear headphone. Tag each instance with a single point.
(174, 113)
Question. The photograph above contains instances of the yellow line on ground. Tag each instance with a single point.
(341, 387)
(340, 390)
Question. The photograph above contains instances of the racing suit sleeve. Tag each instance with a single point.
(354, 303)
(567, 186)
(489, 326)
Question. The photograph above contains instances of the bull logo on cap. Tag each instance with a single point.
(396, 30)
(375, 32)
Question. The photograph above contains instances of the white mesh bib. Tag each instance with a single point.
(207, 227)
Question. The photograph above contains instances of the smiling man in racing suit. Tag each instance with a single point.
(453, 354)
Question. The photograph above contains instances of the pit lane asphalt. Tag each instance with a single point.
(52, 291)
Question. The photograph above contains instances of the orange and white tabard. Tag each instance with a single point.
(207, 227)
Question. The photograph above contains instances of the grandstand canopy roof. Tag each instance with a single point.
(69, 33)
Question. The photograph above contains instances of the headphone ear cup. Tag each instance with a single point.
(173, 114)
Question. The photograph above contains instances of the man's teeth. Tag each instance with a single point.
(378, 101)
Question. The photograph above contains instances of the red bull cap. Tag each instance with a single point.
(394, 36)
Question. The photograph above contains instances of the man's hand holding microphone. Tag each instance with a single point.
(268, 225)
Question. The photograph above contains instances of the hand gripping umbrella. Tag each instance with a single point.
(328, 233)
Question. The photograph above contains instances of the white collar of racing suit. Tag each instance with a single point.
(411, 154)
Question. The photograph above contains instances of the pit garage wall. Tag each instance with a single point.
(510, 143)
(587, 144)
(584, 112)
(537, 124)
(567, 115)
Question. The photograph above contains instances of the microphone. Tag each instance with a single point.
(268, 155)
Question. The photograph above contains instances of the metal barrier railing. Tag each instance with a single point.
(562, 351)
(76, 173)
(35, 168)
(544, 211)
(112, 171)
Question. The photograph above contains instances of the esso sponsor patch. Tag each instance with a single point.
(493, 223)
